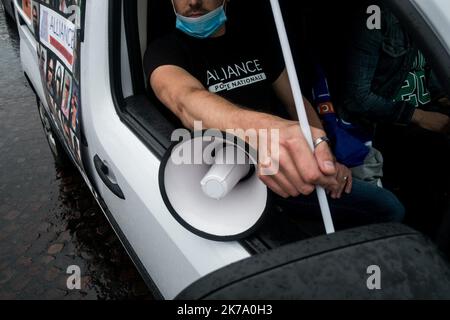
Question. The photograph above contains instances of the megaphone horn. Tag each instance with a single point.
(210, 186)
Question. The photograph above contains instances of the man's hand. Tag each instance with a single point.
(445, 102)
(300, 170)
(433, 121)
(345, 182)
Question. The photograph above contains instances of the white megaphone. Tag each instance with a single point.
(209, 184)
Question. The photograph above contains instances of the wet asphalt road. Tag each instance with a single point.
(48, 218)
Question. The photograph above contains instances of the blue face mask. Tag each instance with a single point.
(204, 26)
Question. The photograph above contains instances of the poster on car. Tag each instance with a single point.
(58, 30)
(59, 35)
(26, 7)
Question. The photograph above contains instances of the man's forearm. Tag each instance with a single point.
(444, 102)
(216, 112)
(313, 117)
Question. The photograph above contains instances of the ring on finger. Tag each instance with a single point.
(320, 140)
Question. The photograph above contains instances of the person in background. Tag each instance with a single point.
(391, 92)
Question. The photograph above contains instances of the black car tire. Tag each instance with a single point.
(7, 15)
(60, 156)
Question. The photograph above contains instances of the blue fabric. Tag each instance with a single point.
(366, 204)
(349, 143)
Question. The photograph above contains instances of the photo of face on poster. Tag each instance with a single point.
(51, 76)
(42, 55)
(67, 134)
(65, 104)
(74, 103)
(35, 15)
(61, 80)
(76, 62)
(76, 147)
(61, 119)
(64, 6)
(52, 104)
(26, 7)
(59, 76)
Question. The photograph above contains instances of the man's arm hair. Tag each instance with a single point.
(189, 100)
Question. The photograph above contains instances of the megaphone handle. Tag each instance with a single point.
(301, 111)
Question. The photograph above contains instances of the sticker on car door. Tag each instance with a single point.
(58, 28)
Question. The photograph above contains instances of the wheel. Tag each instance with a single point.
(57, 149)
(9, 17)
(4, 10)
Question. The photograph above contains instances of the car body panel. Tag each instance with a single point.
(439, 10)
(28, 56)
(164, 247)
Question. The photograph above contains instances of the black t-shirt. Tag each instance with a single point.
(238, 68)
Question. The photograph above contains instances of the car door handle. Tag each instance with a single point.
(105, 174)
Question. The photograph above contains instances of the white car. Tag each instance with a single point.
(84, 61)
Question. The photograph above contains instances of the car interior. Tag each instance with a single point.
(310, 24)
